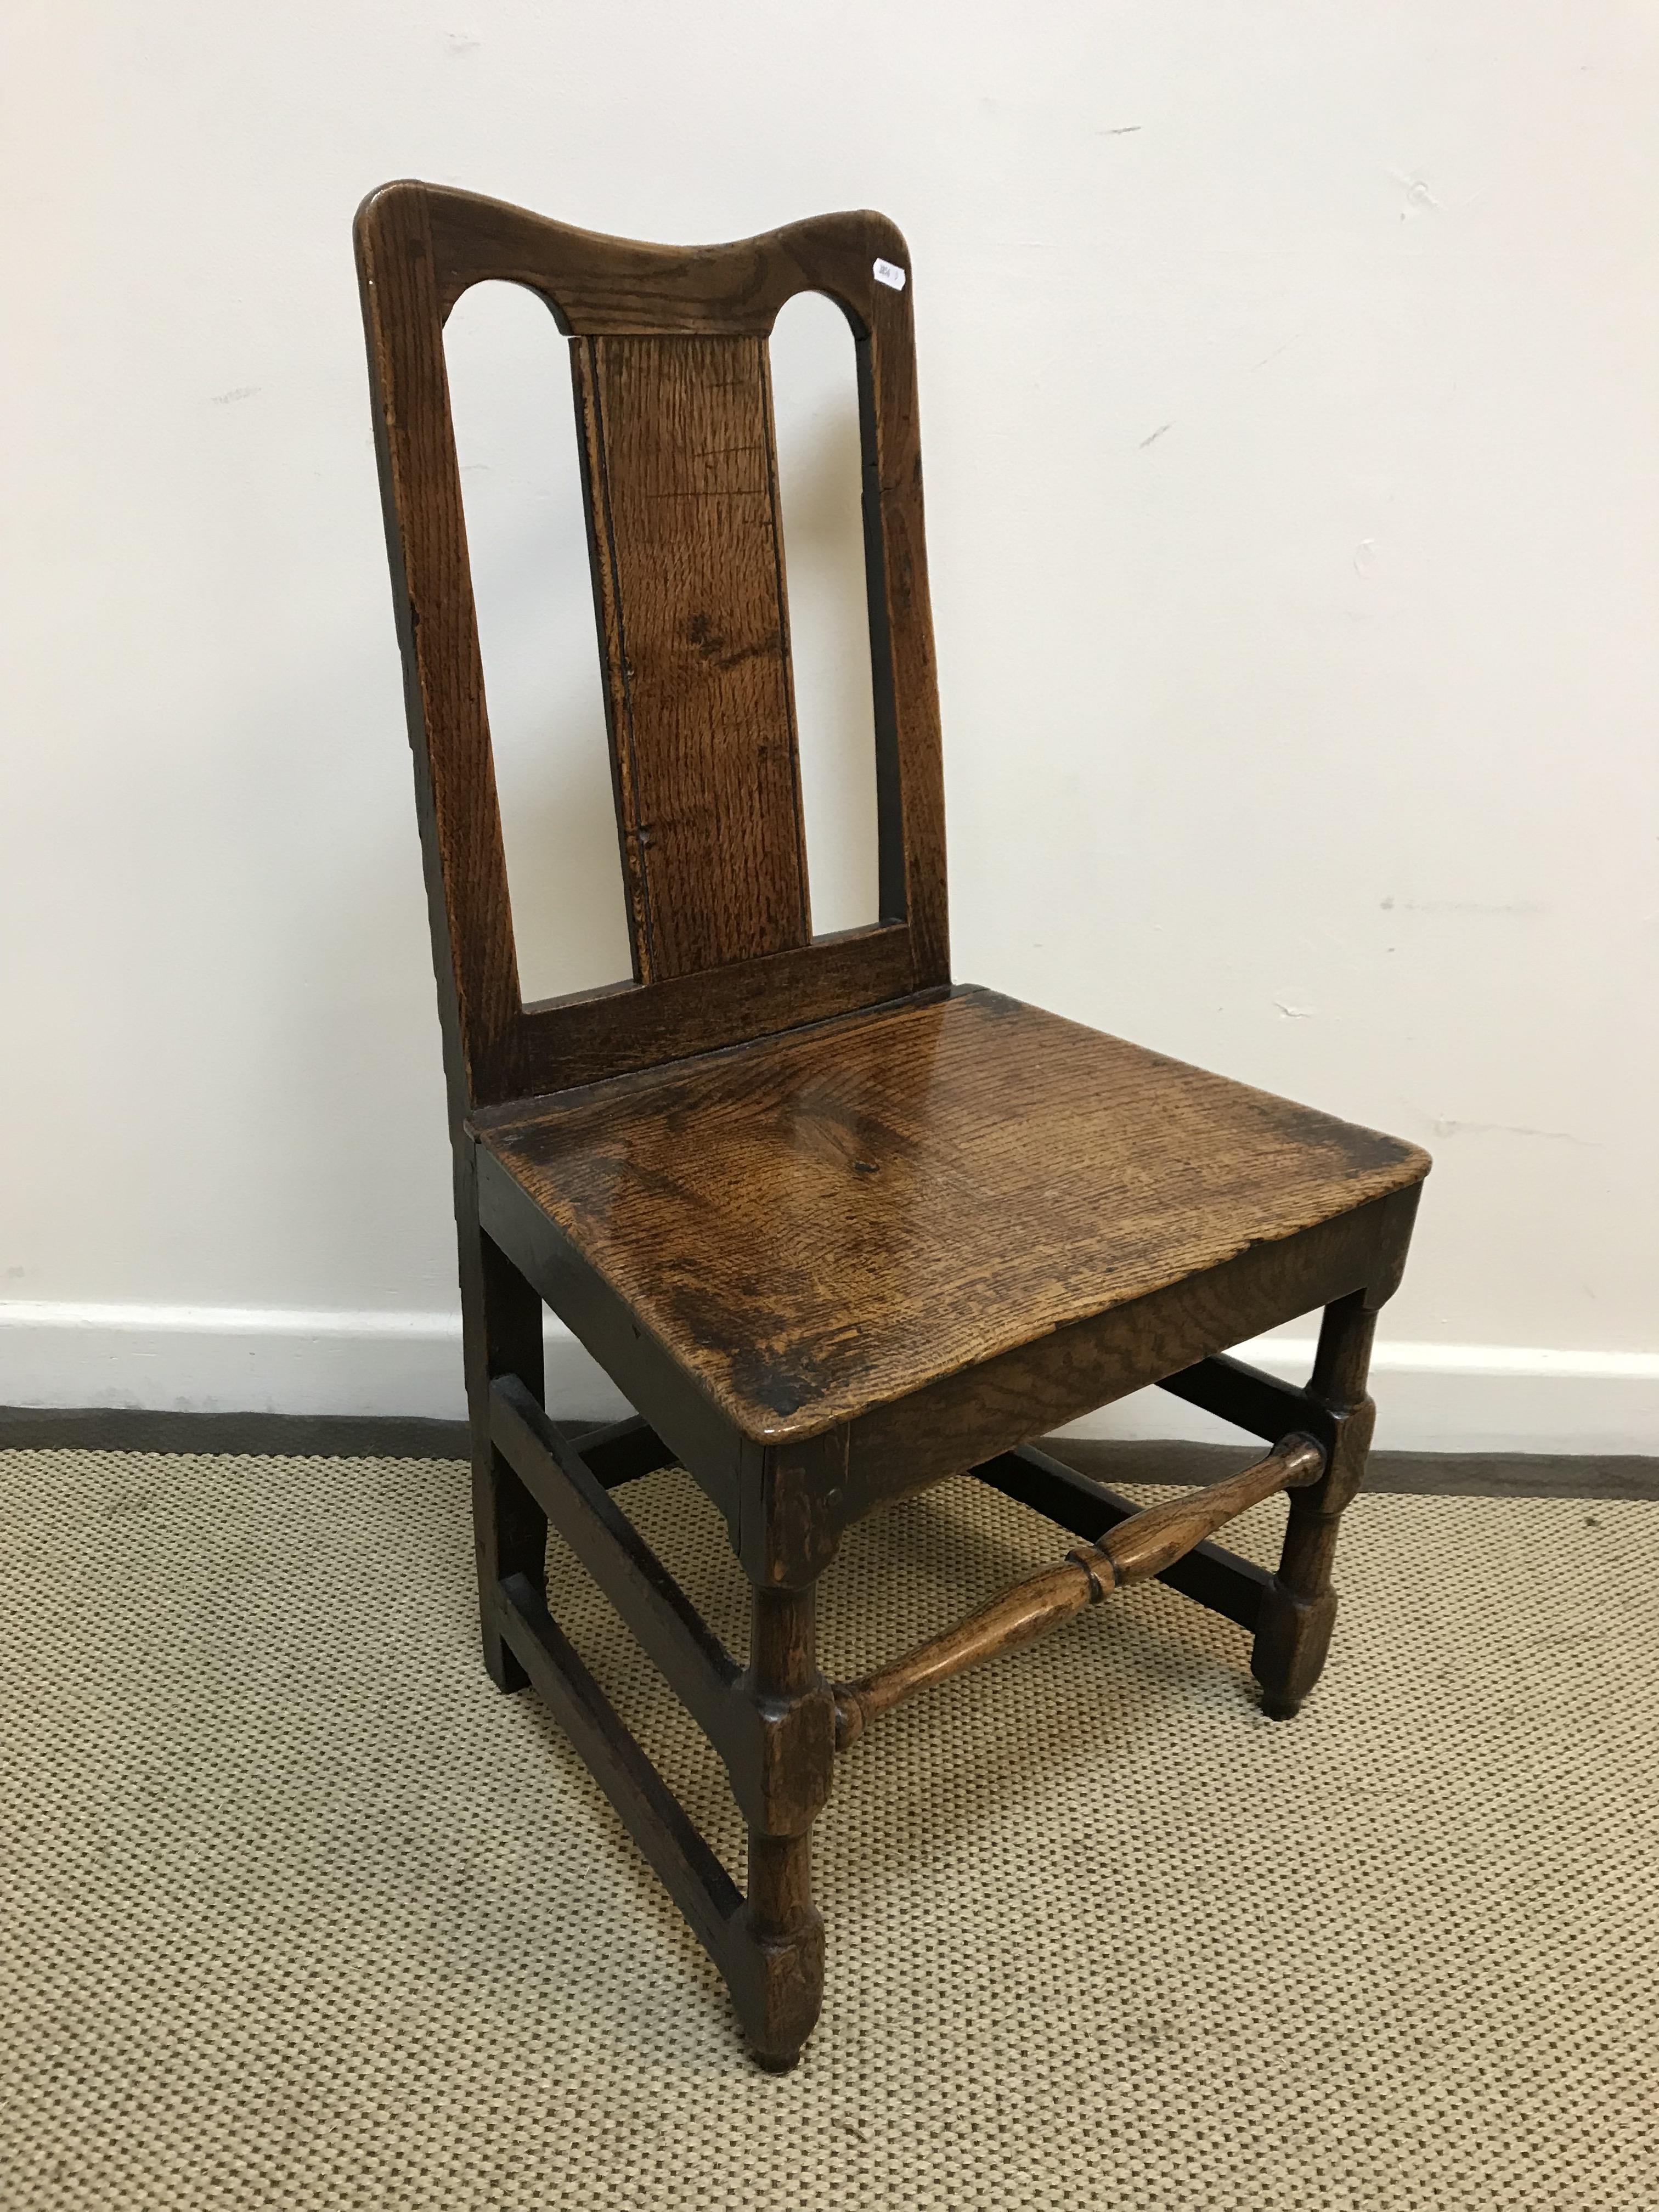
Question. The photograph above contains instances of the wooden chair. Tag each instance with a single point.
(836, 1226)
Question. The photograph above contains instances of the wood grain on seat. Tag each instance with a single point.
(841, 1216)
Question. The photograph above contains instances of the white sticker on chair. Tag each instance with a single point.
(886, 273)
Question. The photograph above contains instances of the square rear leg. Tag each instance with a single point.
(502, 1334)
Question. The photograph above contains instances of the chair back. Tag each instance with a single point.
(670, 363)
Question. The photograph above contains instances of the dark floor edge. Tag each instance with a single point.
(275, 1436)
(331, 1435)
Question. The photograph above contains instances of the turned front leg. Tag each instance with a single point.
(779, 1984)
(1293, 1633)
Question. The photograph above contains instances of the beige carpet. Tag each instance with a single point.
(298, 1912)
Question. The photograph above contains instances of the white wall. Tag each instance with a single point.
(1288, 376)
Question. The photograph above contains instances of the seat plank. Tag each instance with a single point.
(832, 1219)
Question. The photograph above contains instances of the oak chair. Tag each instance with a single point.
(836, 1226)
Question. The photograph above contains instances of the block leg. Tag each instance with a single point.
(502, 1334)
(1298, 1611)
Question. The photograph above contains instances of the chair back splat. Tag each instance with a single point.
(670, 364)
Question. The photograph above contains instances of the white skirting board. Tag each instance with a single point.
(1430, 1397)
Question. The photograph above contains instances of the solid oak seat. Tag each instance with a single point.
(835, 1228)
(837, 1217)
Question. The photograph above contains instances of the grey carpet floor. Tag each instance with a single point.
(297, 1912)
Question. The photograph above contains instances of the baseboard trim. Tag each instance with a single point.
(300, 1364)
(346, 1436)
(1424, 1474)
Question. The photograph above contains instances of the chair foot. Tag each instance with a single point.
(1292, 1638)
(502, 1668)
(777, 1986)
